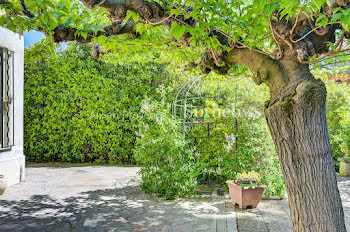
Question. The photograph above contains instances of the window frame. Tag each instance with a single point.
(6, 99)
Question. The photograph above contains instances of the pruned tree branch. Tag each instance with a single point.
(300, 35)
(64, 34)
(266, 70)
(97, 50)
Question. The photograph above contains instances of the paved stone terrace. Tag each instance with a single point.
(110, 199)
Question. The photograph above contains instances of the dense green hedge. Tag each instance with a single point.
(78, 109)
(338, 118)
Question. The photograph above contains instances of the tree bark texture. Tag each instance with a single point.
(298, 127)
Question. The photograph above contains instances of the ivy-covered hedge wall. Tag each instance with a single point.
(78, 109)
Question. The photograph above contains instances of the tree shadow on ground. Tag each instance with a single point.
(119, 209)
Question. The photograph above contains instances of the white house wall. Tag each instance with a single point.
(12, 163)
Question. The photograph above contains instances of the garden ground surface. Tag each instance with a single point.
(110, 199)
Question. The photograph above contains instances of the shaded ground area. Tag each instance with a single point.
(101, 199)
(344, 188)
(110, 199)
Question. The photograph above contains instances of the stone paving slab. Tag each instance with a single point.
(344, 189)
(225, 221)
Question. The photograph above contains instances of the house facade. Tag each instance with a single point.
(12, 160)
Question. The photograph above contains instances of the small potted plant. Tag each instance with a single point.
(246, 191)
(344, 163)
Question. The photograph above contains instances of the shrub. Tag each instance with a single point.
(338, 118)
(168, 168)
(78, 109)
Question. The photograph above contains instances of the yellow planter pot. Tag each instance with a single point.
(344, 169)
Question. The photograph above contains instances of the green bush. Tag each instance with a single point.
(78, 109)
(338, 118)
(168, 167)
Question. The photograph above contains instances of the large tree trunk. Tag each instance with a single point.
(298, 125)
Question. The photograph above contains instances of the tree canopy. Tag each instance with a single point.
(215, 35)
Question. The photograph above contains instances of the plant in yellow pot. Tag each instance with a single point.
(344, 162)
(246, 191)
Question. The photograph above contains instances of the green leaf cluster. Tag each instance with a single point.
(338, 117)
(168, 166)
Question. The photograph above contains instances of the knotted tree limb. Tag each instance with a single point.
(300, 35)
(64, 34)
(265, 69)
